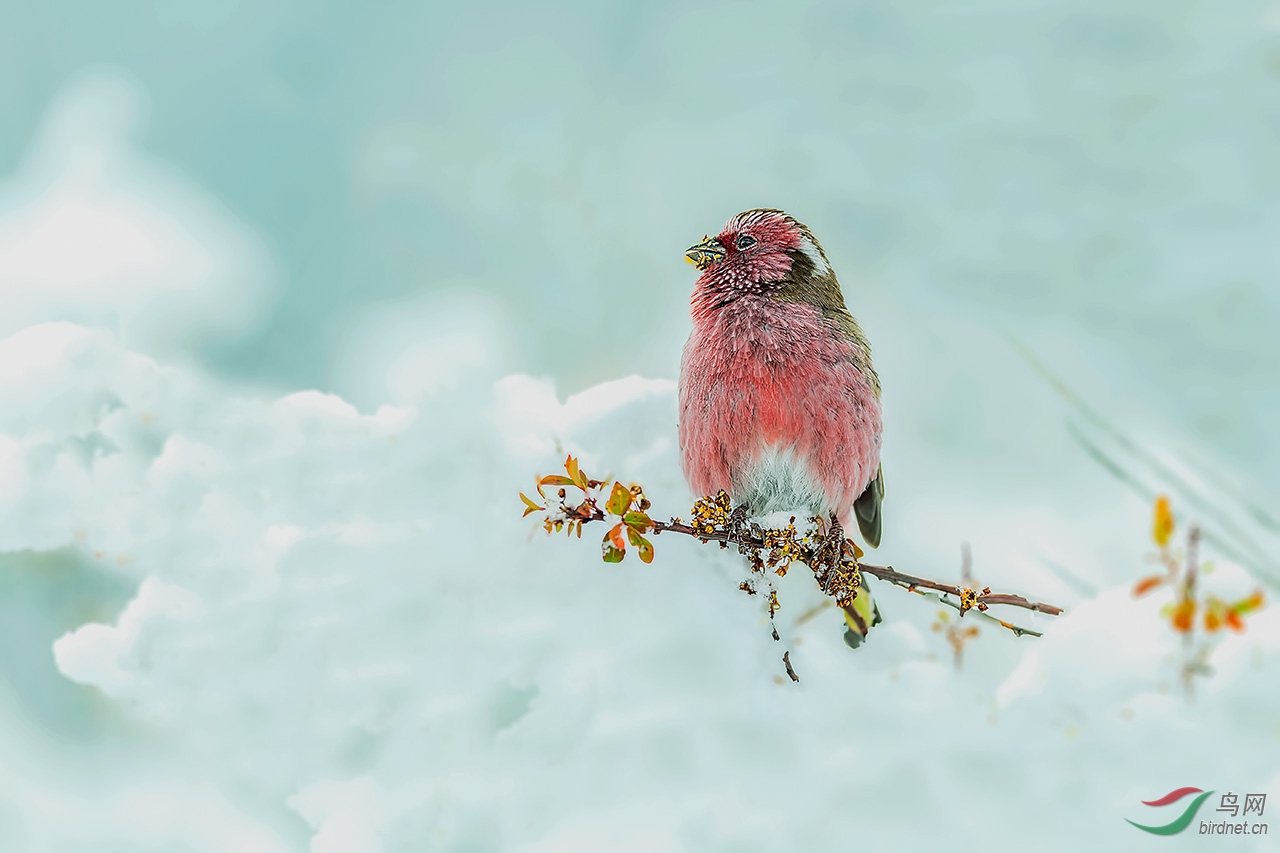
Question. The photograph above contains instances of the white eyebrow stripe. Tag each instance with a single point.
(815, 254)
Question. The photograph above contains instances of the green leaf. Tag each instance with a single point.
(643, 546)
(1250, 604)
(638, 521)
(619, 500)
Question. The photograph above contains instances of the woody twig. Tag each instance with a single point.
(834, 560)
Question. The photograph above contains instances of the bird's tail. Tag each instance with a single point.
(860, 617)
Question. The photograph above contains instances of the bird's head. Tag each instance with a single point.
(757, 252)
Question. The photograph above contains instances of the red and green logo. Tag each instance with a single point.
(1182, 821)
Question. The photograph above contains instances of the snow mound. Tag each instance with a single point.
(343, 634)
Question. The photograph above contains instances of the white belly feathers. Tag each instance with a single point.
(775, 481)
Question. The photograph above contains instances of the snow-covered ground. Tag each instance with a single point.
(338, 627)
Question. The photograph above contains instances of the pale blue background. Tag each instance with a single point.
(1108, 167)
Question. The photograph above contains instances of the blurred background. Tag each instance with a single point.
(1105, 168)
(1057, 223)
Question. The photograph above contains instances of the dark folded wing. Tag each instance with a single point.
(867, 509)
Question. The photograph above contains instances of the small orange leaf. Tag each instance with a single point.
(643, 546)
(1147, 584)
(1163, 524)
(1234, 622)
(1212, 621)
(619, 500)
(615, 536)
(857, 552)
(1183, 616)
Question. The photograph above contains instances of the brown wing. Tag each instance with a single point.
(867, 509)
(805, 284)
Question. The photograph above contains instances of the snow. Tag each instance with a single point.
(342, 634)
(92, 230)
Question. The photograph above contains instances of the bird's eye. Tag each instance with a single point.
(745, 241)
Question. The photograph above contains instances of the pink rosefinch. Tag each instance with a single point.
(779, 403)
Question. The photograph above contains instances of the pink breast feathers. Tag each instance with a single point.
(773, 411)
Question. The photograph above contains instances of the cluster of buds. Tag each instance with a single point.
(710, 513)
(841, 583)
(781, 548)
(823, 552)
(969, 599)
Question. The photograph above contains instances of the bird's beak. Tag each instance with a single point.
(705, 253)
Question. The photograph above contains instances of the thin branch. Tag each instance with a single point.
(884, 573)
(733, 533)
(979, 599)
(1017, 630)
(1193, 568)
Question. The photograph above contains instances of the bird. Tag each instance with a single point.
(779, 403)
